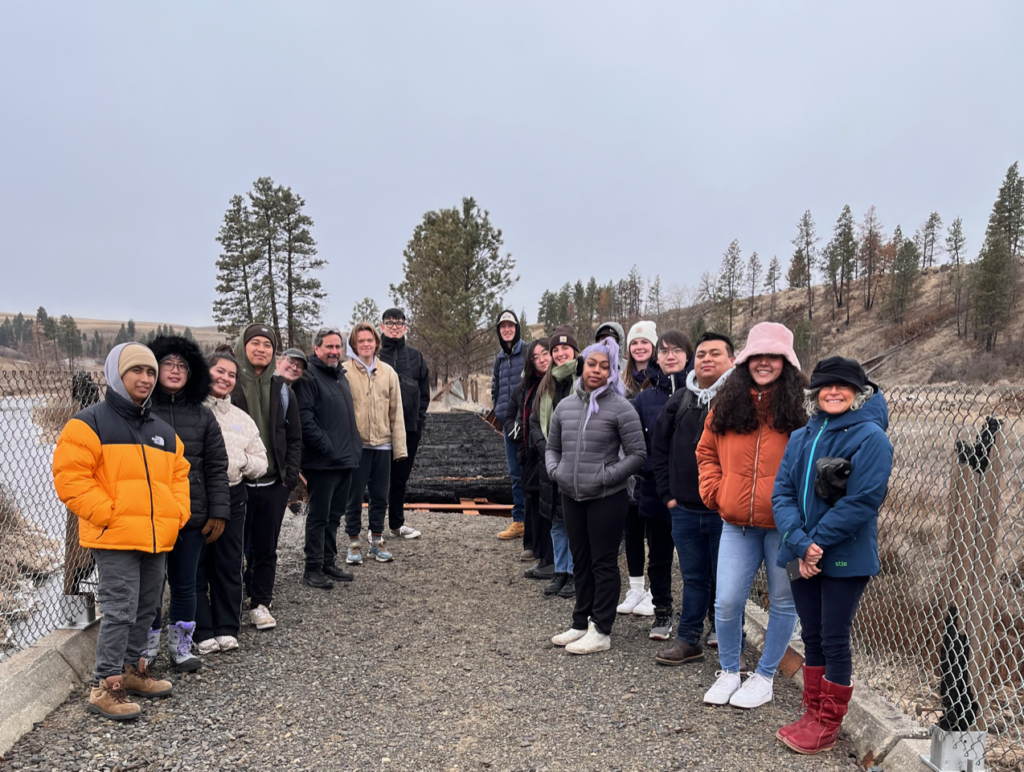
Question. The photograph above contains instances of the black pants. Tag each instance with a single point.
(374, 473)
(538, 529)
(659, 561)
(826, 606)
(328, 496)
(636, 556)
(595, 529)
(400, 471)
(265, 513)
(219, 578)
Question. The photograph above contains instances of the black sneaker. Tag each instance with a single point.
(317, 579)
(569, 590)
(556, 584)
(546, 571)
(662, 627)
(339, 574)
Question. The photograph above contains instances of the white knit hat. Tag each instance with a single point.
(645, 330)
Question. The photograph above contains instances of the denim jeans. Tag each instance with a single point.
(696, 535)
(182, 568)
(560, 546)
(516, 473)
(741, 552)
(827, 605)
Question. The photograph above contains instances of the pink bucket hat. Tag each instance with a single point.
(769, 338)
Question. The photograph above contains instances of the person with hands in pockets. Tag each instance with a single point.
(832, 482)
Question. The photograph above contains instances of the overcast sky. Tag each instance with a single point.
(597, 134)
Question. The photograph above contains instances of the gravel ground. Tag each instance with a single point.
(440, 660)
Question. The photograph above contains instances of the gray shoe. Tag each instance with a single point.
(662, 627)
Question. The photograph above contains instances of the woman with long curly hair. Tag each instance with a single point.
(738, 456)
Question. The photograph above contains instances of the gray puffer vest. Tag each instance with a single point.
(597, 462)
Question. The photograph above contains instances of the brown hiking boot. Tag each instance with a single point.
(514, 531)
(140, 682)
(112, 702)
(679, 652)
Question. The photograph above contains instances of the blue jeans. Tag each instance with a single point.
(560, 546)
(740, 553)
(696, 534)
(182, 567)
(516, 473)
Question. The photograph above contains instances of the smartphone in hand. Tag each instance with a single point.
(793, 570)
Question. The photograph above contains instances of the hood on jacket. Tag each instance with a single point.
(665, 382)
(197, 387)
(875, 410)
(616, 328)
(245, 367)
(354, 357)
(113, 377)
(508, 346)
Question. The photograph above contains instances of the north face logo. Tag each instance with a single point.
(157, 440)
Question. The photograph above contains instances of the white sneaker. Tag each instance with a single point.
(405, 532)
(724, 688)
(209, 646)
(633, 597)
(260, 616)
(645, 608)
(227, 642)
(590, 643)
(570, 635)
(755, 692)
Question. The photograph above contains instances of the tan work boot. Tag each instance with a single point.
(112, 701)
(139, 681)
(514, 531)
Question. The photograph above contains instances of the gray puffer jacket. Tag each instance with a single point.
(598, 462)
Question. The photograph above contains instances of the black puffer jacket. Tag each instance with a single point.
(550, 496)
(413, 379)
(330, 436)
(521, 404)
(198, 430)
(674, 450)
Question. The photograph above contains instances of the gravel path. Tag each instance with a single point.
(440, 660)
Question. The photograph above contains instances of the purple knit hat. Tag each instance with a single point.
(610, 349)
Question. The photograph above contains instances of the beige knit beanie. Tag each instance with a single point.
(134, 355)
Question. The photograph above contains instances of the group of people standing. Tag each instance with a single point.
(735, 461)
(182, 475)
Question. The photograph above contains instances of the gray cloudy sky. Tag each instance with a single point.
(597, 134)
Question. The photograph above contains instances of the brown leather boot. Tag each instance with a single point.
(679, 652)
(514, 531)
(112, 702)
(139, 681)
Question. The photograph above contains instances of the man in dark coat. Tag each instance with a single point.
(507, 375)
(331, 449)
(414, 379)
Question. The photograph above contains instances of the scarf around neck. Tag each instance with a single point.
(547, 403)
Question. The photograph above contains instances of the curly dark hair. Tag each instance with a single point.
(736, 411)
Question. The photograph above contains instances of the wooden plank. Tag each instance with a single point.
(491, 509)
(470, 503)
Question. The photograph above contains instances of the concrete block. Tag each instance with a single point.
(906, 756)
(32, 683)
(874, 725)
(78, 648)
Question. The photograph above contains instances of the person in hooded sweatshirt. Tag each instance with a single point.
(664, 379)
(269, 401)
(641, 366)
(183, 384)
(377, 398)
(832, 482)
(123, 472)
(219, 579)
(614, 331)
(505, 378)
(595, 443)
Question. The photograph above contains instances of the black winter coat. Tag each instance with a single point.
(550, 496)
(530, 462)
(198, 430)
(674, 450)
(287, 425)
(330, 436)
(413, 379)
(649, 404)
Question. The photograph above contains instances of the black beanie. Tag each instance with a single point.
(563, 335)
(259, 330)
(840, 370)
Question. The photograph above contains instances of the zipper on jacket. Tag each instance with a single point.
(810, 461)
(757, 453)
(149, 482)
(576, 462)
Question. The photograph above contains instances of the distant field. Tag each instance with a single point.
(108, 328)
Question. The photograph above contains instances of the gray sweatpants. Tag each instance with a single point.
(129, 590)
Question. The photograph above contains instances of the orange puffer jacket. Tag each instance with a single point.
(123, 472)
(737, 471)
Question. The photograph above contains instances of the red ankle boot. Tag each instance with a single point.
(813, 676)
(820, 733)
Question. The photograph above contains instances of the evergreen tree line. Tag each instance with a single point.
(265, 272)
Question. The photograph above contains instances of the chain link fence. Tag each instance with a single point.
(940, 631)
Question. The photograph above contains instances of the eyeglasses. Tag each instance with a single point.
(175, 365)
(391, 324)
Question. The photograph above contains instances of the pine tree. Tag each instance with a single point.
(240, 300)
(454, 280)
(69, 338)
(956, 246)
(997, 266)
(653, 309)
(903, 280)
(122, 336)
(302, 292)
(7, 333)
(771, 283)
(525, 333)
(929, 240)
(754, 270)
(806, 247)
(365, 310)
(869, 255)
(838, 260)
(265, 204)
(593, 299)
(796, 276)
(1007, 218)
(730, 278)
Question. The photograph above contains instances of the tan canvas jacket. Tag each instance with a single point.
(377, 399)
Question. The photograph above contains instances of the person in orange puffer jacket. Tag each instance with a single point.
(122, 471)
(738, 456)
